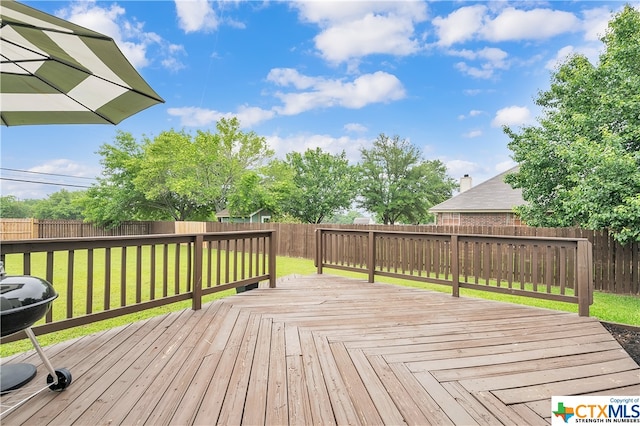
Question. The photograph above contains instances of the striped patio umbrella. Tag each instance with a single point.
(56, 72)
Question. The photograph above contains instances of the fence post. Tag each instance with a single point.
(196, 302)
(371, 256)
(455, 264)
(34, 229)
(272, 259)
(318, 233)
(584, 277)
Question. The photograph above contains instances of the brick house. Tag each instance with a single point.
(490, 203)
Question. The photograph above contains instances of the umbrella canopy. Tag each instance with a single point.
(56, 72)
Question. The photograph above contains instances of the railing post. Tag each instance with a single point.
(584, 277)
(196, 301)
(319, 250)
(455, 265)
(272, 259)
(371, 257)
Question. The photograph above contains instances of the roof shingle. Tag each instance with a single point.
(493, 195)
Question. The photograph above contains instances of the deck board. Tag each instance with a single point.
(327, 350)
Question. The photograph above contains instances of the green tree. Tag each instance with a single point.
(580, 166)
(115, 198)
(11, 207)
(398, 185)
(266, 188)
(323, 184)
(345, 218)
(60, 205)
(174, 175)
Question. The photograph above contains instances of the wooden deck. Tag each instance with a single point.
(330, 350)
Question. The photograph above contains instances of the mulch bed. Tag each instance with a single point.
(628, 337)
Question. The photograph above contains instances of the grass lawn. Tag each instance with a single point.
(606, 307)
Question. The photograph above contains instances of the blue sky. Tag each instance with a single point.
(330, 74)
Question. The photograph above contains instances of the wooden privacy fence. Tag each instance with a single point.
(616, 267)
(547, 268)
(18, 229)
(104, 277)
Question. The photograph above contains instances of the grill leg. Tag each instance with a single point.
(41, 353)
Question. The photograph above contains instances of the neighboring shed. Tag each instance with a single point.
(490, 203)
(260, 216)
(363, 221)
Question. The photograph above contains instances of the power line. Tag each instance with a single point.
(44, 183)
(43, 173)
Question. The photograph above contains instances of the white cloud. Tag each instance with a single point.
(595, 22)
(459, 168)
(512, 116)
(372, 34)
(200, 117)
(460, 25)
(505, 165)
(491, 59)
(355, 128)
(75, 174)
(196, 15)
(357, 29)
(484, 71)
(480, 22)
(290, 76)
(322, 93)
(536, 24)
(330, 144)
(140, 47)
(473, 134)
(561, 56)
(592, 53)
(378, 87)
(473, 92)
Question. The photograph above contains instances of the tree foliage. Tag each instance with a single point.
(580, 166)
(115, 197)
(323, 184)
(11, 207)
(173, 176)
(60, 205)
(398, 185)
(268, 188)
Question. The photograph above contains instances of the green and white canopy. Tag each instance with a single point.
(56, 72)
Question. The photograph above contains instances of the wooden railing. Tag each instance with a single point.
(104, 277)
(557, 269)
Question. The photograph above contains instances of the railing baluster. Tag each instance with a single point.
(176, 272)
(89, 306)
(123, 277)
(107, 279)
(70, 266)
(138, 274)
(152, 274)
(165, 270)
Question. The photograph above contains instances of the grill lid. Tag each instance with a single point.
(23, 301)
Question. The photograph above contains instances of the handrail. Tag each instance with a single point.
(138, 272)
(547, 268)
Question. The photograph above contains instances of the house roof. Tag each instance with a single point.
(493, 195)
(363, 221)
(225, 213)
